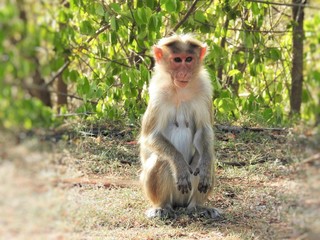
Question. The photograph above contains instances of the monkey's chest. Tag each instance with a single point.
(180, 131)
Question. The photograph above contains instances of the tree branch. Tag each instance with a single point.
(286, 4)
(186, 16)
(67, 63)
(58, 73)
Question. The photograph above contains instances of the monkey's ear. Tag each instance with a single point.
(157, 53)
(203, 52)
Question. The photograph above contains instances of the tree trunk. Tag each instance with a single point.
(297, 57)
(223, 45)
(62, 92)
(62, 87)
(39, 89)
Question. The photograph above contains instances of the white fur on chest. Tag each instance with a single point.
(180, 129)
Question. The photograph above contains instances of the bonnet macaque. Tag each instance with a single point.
(177, 137)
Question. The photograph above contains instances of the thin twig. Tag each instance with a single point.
(73, 114)
(97, 33)
(106, 183)
(58, 73)
(313, 158)
(237, 129)
(67, 63)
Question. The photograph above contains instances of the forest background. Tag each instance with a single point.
(74, 76)
(62, 60)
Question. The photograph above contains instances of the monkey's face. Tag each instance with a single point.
(181, 68)
(181, 59)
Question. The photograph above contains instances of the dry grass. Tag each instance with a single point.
(270, 196)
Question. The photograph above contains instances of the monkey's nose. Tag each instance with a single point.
(182, 75)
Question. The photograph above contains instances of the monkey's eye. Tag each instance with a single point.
(177, 59)
(189, 59)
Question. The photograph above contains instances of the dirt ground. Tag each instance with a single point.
(85, 186)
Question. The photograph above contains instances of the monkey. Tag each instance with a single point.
(176, 138)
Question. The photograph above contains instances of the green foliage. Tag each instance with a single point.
(28, 113)
(103, 50)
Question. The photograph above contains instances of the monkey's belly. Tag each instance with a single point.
(182, 138)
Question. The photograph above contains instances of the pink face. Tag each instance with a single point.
(181, 66)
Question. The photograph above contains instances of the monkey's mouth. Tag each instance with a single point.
(181, 79)
(180, 83)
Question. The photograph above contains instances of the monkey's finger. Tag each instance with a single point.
(196, 172)
(203, 188)
(189, 185)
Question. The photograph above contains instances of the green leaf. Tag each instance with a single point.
(85, 86)
(267, 114)
(73, 76)
(113, 38)
(169, 5)
(199, 16)
(255, 9)
(115, 7)
(154, 23)
(226, 105)
(316, 75)
(142, 34)
(148, 13)
(144, 14)
(137, 17)
(145, 75)
(86, 28)
(99, 9)
(233, 72)
(278, 98)
(248, 41)
(113, 23)
(63, 17)
(151, 4)
(273, 53)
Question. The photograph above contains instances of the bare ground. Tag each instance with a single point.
(268, 187)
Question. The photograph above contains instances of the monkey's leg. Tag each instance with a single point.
(195, 206)
(158, 185)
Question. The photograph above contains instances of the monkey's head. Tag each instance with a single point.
(181, 56)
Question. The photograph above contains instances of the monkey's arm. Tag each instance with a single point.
(203, 143)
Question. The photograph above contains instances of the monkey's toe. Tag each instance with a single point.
(212, 213)
(162, 213)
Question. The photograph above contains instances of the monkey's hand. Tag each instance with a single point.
(205, 179)
(184, 179)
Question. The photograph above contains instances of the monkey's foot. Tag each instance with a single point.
(205, 212)
(162, 213)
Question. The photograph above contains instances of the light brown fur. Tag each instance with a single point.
(176, 136)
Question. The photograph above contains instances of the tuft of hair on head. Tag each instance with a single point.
(184, 38)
